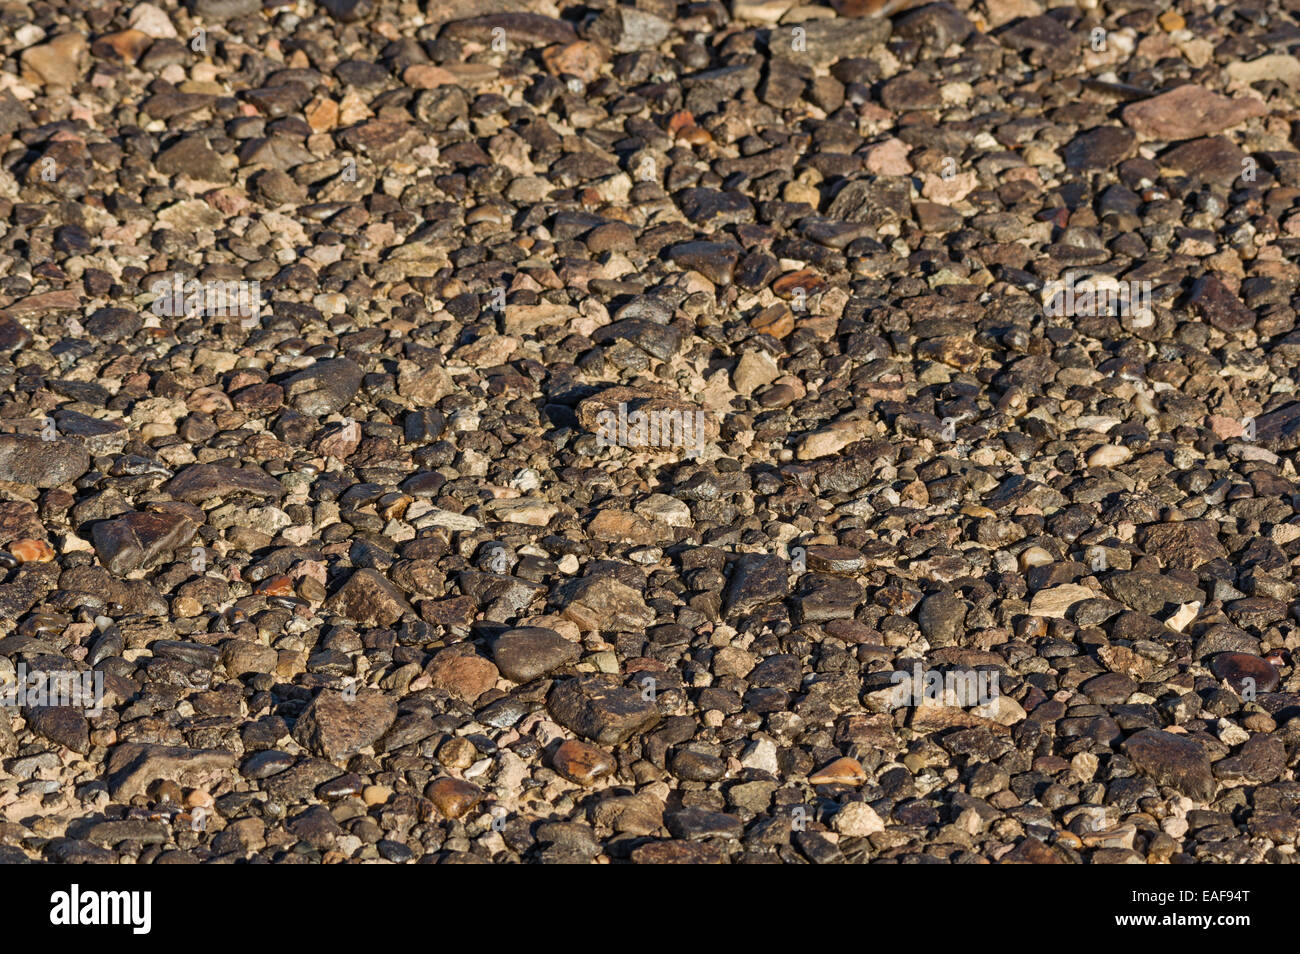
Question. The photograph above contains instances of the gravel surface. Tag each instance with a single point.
(494, 431)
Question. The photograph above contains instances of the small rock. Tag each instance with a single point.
(528, 653)
(599, 708)
(30, 460)
(58, 63)
(370, 599)
(582, 763)
(336, 726)
(1056, 601)
(453, 797)
(1188, 112)
(843, 771)
(1172, 760)
(857, 820)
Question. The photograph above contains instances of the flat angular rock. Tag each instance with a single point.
(382, 140)
(142, 830)
(713, 207)
(942, 617)
(1279, 430)
(1100, 148)
(626, 29)
(1189, 112)
(599, 708)
(937, 24)
(678, 853)
(62, 725)
(826, 41)
(140, 540)
(1277, 67)
(369, 598)
(1261, 759)
(716, 261)
(699, 823)
(133, 766)
(1216, 159)
(347, 11)
(28, 586)
(99, 436)
(53, 301)
(908, 91)
(217, 11)
(658, 341)
(873, 202)
(56, 64)
(464, 675)
(1031, 851)
(40, 463)
(1212, 301)
(324, 388)
(192, 157)
(1186, 544)
(1056, 601)
(1151, 593)
(756, 580)
(1172, 760)
(824, 597)
(1041, 34)
(336, 727)
(526, 29)
(200, 483)
(605, 604)
(530, 652)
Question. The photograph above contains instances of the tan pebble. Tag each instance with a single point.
(457, 753)
(1259, 722)
(28, 550)
(582, 763)
(1031, 557)
(453, 797)
(311, 589)
(186, 607)
(1109, 455)
(843, 771)
(1171, 20)
(857, 820)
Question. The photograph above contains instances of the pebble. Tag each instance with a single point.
(598, 708)
(857, 820)
(527, 653)
(334, 726)
(842, 771)
(453, 797)
(56, 64)
(582, 763)
(31, 551)
(1173, 760)
(1189, 112)
(1236, 668)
